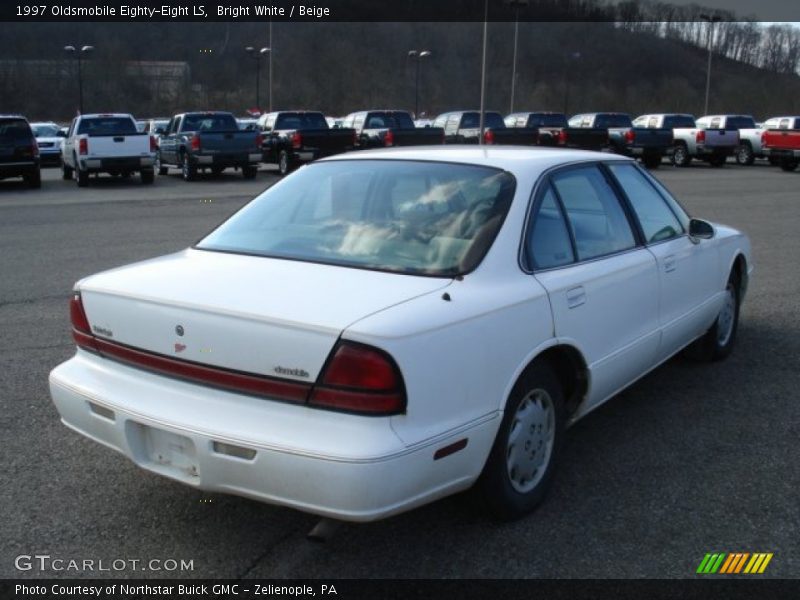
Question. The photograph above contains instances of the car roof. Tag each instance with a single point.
(509, 158)
(104, 115)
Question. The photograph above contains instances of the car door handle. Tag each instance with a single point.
(576, 296)
(669, 263)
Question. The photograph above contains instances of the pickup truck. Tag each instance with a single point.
(712, 138)
(211, 140)
(386, 128)
(750, 147)
(783, 146)
(291, 138)
(554, 130)
(463, 127)
(19, 153)
(650, 144)
(107, 143)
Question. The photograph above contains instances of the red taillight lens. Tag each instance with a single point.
(355, 138)
(388, 139)
(196, 143)
(81, 331)
(561, 137)
(700, 136)
(83, 146)
(153, 144)
(259, 141)
(360, 378)
(488, 137)
(764, 139)
(630, 136)
(297, 140)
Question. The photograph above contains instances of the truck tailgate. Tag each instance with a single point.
(117, 146)
(782, 139)
(224, 142)
(423, 136)
(328, 141)
(721, 138)
(645, 137)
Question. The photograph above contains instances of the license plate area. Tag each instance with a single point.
(169, 453)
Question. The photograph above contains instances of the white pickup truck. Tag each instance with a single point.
(107, 143)
(750, 146)
(711, 138)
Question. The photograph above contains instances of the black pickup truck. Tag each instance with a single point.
(463, 127)
(19, 154)
(207, 140)
(555, 131)
(291, 138)
(649, 145)
(386, 128)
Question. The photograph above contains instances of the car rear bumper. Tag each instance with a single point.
(341, 466)
(18, 168)
(238, 159)
(706, 151)
(128, 163)
(781, 153)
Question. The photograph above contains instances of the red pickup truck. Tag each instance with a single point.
(783, 146)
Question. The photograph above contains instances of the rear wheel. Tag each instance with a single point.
(188, 170)
(652, 161)
(66, 171)
(680, 156)
(718, 341)
(159, 166)
(285, 163)
(82, 177)
(789, 164)
(744, 154)
(522, 461)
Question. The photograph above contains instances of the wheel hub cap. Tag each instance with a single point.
(530, 441)
(726, 318)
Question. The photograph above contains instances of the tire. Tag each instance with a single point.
(520, 467)
(34, 179)
(249, 171)
(744, 154)
(82, 177)
(148, 176)
(285, 163)
(159, 166)
(66, 171)
(652, 161)
(789, 164)
(717, 161)
(680, 156)
(188, 170)
(717, 343)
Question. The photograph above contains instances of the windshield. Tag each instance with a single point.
(492, 120)
(301, 121)
(107, 126)
(42, 131)
(209, 122)
(411, 217)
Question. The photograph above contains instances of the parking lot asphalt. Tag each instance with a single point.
(694, 458)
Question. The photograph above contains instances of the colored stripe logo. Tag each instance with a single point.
(734, 563)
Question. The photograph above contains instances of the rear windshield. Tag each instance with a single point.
(411, 217)
(740, 123)
(107, 126)
(42, 131)
(210, 122)
(14, 129)
(678, 122)
(393, 120)
(612, 120)
(547, 120)
(493, 120)
(301, 121)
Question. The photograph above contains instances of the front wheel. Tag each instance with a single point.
(717, 343)
(680, 156)
(522, 461)
(744, 154)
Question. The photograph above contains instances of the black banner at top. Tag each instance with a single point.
(397, 10)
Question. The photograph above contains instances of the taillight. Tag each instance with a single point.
(388, 139)
(700, 136)
(488, 137)
(259, 140)
(764, 139)
(196, 143)
(153, 144)
(297, 140)
(355, 138)
(561, 137)
(630, 136)
(81, 331)
(360, 378)
(83, 146)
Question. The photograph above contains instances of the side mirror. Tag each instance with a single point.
(701, 230)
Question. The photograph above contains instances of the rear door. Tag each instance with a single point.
(602, 283)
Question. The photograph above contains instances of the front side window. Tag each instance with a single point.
(547, 244)
(596, 218)
(656, 219)
(410, 217)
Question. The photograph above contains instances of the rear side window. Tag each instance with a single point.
(598, 223)
(548, 244)
(107, 126)
(656, 219)
(740, 123)
(14, 129)
(612, 120)
(679, 122)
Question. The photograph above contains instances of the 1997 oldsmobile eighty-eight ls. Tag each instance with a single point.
(385, 328)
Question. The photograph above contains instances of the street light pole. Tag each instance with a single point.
(516, 4)
(257, 56)
(270, 64)
(710, 19)
(482, 118)
(417, 55)
(77, 53)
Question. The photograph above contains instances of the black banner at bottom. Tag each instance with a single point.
(346, 589)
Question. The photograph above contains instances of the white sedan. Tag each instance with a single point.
(382, 329)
